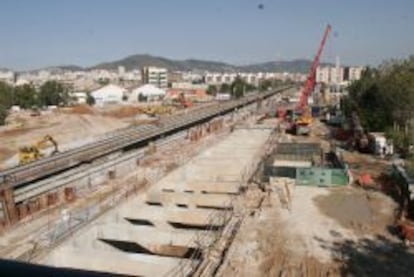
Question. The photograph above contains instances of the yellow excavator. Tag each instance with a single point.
(28, 154)
(306, 118)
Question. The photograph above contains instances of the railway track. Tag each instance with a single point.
(117, 141)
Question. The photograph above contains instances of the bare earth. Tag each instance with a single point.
(70, 130)
(326, 232)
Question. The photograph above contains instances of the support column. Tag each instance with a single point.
(9, 206)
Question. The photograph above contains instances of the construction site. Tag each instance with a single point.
(253, 186)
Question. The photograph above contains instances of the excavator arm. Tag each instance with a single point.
(28, 154)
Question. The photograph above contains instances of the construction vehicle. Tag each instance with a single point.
(156, 110)
(28, 154)
(186, 103)
(303, 119)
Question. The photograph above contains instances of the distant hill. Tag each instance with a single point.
(139, 61)
(64, 68)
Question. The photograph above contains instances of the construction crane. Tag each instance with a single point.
(28, 154)
(302, 107)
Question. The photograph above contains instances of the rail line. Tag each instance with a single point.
(119, 140)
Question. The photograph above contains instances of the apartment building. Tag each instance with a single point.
(155, 76)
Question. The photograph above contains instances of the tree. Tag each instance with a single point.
(89, 99)
(264, 85)
(53, 93)
(383, 99)
(25, 96)
(6, 95)
(211, 90)
(225, 88)
(238, 87)
(3, 114)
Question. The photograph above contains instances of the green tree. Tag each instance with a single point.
(238, 87)
(89, 99)
(25, 96)
(211, 90)
(6, 95)
(53, 93)
(3, 114)
(383, 99)
(225, 88)
(265, 85)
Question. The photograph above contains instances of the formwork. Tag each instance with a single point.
(307, 164)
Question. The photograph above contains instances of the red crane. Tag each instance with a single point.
(310, 82)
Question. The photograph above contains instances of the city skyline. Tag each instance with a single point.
(84, 33)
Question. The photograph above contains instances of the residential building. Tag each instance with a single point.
(355, 72)
(7, 76)
(331, 75)
(155, 76)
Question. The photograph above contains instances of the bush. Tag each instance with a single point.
(3, 114)
(89, 99)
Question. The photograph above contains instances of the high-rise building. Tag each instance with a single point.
(155, 76)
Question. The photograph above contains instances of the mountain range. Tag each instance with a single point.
(139, 61)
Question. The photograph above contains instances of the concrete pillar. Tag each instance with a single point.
(9, 206)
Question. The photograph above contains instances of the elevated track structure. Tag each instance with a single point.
(119, 141)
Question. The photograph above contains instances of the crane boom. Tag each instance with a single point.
(310, 82)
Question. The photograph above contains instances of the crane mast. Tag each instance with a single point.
(310, 82)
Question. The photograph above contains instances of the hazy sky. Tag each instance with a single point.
(37, 33)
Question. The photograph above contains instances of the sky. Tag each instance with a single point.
(40, 33)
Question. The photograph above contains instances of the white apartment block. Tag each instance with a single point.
(7, 76)
(355, 73)
(331, 75)
(155, 76)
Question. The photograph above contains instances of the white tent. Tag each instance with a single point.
(108, 94)
(150, 92)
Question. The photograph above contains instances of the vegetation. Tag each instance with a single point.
(89, 99)
(27, 96)
(239, 87)
(383, 99)
(212, 90)
(53, 93)
(225, 88)
(3, 114)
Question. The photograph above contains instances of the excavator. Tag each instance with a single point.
(301, 125)
(186, 103)
(28, 154)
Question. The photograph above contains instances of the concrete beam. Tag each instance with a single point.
(190, 199)
(113, 262)
(157, 214)
(149, 236)
(199, 186)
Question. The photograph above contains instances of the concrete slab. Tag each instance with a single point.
(200, 186)
(210, 179)
(174, 215)
(150, 236)
(190, 199)
(119, 263)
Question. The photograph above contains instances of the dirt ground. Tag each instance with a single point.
(69, 129)
(322, 234)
